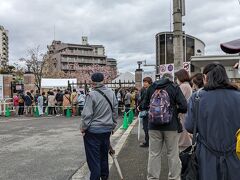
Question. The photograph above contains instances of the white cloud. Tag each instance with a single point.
(126, 28)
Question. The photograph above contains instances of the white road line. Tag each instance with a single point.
(83, 172)
(20, 120)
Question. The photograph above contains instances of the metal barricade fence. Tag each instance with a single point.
(5, 105)
(30, 110)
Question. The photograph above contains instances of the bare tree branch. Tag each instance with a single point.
(35, 63)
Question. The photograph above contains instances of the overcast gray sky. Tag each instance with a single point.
(126, 28)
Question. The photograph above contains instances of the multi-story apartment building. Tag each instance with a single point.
(3, 46)
(80, 60)
(69, 57)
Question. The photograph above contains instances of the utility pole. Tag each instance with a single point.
(178, 12)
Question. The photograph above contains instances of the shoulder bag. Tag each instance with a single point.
(188, 156)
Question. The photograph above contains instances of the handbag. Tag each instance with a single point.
(143, 114)
(188, 156)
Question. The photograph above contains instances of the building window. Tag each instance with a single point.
(162, 49)
(190, 48)
(169, 45)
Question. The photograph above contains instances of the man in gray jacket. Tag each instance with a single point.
(99, 119)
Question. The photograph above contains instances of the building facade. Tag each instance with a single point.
(68, 57)
(164, 48)
(71, 58)
(228, 61)
(3, 46)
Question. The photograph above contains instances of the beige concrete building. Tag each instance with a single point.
(228, 61)
(3, 46)
(192, 46)
(69, 57)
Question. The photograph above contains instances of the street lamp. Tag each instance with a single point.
(139, 64)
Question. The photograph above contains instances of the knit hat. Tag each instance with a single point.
(97, 77)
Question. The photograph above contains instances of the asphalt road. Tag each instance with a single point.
(40, 149)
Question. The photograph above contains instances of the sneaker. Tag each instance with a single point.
(144, 145)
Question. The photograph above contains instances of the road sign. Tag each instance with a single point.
(166, 68)
(163, 68)
(187, 66)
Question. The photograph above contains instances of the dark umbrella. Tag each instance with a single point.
(231, 47)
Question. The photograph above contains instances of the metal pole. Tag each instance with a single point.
(177, 34)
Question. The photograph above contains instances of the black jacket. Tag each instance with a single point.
(141, 97)
(177, 101)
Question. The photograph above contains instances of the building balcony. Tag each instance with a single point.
(80, 54)
(84, 61)
(68, 68)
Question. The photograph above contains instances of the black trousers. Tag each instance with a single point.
(21, 109)
(51, 110)
(145, 129)
(127, 108)
(97, 148)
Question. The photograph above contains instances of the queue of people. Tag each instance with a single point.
(167, 108)
(53, 103)
(168, 111)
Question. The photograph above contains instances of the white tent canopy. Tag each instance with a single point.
(127, 76)
(56, 83)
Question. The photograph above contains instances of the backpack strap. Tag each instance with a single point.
(104, 95)
(68, 99)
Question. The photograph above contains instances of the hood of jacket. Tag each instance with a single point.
(162, 83)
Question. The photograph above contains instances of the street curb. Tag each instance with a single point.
(82, 173)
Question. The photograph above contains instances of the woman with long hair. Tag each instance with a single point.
(217, 124)
(183, 79)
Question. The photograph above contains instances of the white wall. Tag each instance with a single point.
(1, 42)
(100, 51)
(1, 86)
(199, 45)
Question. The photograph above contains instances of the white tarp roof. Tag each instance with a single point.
(56, 83)
(127, 76)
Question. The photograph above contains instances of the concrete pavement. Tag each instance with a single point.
(133, 160)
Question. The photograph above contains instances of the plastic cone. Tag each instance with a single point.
(68, 113)
(130, 117)
(36, 113)
(7, 113)
(125, 121)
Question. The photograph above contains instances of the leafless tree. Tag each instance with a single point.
(35, 63)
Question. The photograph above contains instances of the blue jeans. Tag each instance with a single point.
(97, 148)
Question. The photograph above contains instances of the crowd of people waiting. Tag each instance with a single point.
(174, 112)
(54, 102)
